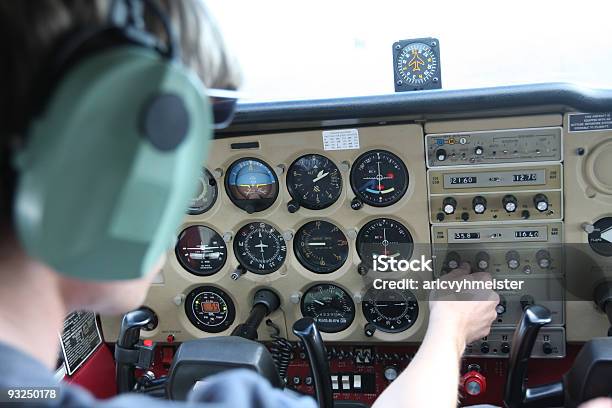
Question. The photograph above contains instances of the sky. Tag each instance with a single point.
(291, 49)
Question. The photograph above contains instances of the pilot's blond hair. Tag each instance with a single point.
(31, 29)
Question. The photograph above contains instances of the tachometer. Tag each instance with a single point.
(210, 309)
(379, 178)
(384, 236)
(200, 250)
(330, 306)
(251, 184)
(391, 311)
(320, 246)
(206, 194)
(314, 182)
(260, 248)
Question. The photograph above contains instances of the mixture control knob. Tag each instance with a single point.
(540, 201)
(505, 348)
(513, 259)
(509, 203)
(441, 154)
(453, 260)
(479, 204)
(543, 258)
(482, 260)
(478, 150)
(390, 373)
(474, 383)
(547, 348)
(449, 205)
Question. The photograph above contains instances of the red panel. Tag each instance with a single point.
(97, 374)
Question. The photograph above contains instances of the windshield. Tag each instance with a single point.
(337, 48)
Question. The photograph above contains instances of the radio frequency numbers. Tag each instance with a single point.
(526, 234)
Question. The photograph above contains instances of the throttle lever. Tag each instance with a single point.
(516, 394)
(310, 336)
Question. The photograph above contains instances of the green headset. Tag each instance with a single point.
(113, 154)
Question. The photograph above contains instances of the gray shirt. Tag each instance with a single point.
(231, 389)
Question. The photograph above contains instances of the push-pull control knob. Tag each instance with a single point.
(540, 201)
(543, 258)
(482, 260)
(449, 205)
(513, 259)
(474, 383)
(441, 154)
(453, 260)
(509, 203)
(479, 204)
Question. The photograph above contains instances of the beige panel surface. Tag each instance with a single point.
(280, 150)
(513, 122)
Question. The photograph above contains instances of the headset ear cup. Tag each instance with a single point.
(97, 197)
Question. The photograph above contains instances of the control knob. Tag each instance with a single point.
(509, 203)
(505, 348)
(513, 259)
(482, 260)
(390, 373)
(453, 260)
(547, 348)
(441, 154)
(478, 150)
(479, 204)
(540, 201)
(543, 258)
(474, 383)
(449, 205)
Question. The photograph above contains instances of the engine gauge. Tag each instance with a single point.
(314, 182)
(600, 239)
(384, 236)
(330, 306)
(391, 311)
(379, 178)
(210, 309)
(260, 248)
(206, 194)
(251, 184)
(320, 246)
(200, 250)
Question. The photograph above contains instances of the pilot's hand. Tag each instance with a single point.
(468, 314)
(597, 403)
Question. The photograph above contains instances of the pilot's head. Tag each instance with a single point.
(31, 31)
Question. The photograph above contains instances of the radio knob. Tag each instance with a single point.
(513, 259)
(453, 260)
(441, 154)
(449, 205)
(505, 348)
(482, 260)
(484, 347)
(543, 258)
(541, 202)
(509, 203)
(478, 150)
(479, 204)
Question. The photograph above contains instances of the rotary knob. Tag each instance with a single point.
(547, 348)
(509, 203)
(482, 260)
(505, 348)
(540, 201)
(474, 383)
(441, 154)
(449, 205)
(479, 204)
(390, 373)
(513, 259)
(478, 150)
(543, 258)
(453, 260)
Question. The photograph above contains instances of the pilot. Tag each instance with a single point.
(35, 293)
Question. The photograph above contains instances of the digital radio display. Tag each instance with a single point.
(526, 234)
(464, 180)
(467, 235)
(525, 177)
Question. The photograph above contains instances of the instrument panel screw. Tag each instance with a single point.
(399, 82)
(580, 151)
(178, 299)
(433, 44)
(295, 297)
(435, 79)
(227, 236)
(288, 235)
(345, 166)
(218, 173)
(397, 46)
(279, 169)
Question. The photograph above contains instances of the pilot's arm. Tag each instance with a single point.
(432, 378)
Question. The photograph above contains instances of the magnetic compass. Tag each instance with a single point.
(378, 178)
(417, 64)
(260, 248)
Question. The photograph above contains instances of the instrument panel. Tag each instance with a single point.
(287, 212)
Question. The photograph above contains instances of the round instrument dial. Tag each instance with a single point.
(391, 311)
(320, 246)
(314, 181)
(384, 236)
(330, 306)
(379, 178)
(417, 64)
(600, 239)
(260, 248)
(251, 184)
(200, 250)
(210, 309)
(206, 194)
